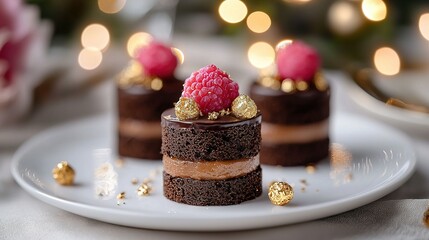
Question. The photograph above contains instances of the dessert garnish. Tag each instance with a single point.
(154, 63)
(210, 92)
(63, 173)
(297, 67)
(121, 196)
(144, 190)
(280, 193)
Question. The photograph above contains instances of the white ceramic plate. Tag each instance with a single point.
(377, 107)
(371, 160)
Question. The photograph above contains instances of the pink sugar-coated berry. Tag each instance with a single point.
(297, 61)
(211, 88)
(157, 60)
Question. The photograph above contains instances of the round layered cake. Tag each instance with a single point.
(213, 158)
(295, 104)
(145, 89)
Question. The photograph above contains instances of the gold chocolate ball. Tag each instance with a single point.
(63, 173)
(244, 107)
(280, 193)
(186, 108)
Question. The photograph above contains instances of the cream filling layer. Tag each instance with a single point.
(209, 170)
(277, 133)
(139, 129)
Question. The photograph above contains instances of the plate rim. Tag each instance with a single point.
(343, 204)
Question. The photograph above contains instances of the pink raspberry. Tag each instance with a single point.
(297, 61)
(211, 88)
(157, 60)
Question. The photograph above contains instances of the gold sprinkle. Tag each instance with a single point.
(270, 83)
(280, 193)
(63, 173)
(213, 116)
(303, 182)
(121, 195)
(144, 190)
(320, 82)
(156, 84)
(288, 85)
(119, 162)
(426, 217)
(134, 181)
(301, 85)
(310, 169)
(186, 108)
(224, 112)
(244, 107)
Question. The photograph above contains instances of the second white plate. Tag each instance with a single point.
(369, 161)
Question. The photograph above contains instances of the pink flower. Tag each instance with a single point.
(22, 38)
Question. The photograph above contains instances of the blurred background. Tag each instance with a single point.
(57, 49)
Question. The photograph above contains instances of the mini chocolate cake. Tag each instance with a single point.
(142, 95)
(211, 155)
(295, 107)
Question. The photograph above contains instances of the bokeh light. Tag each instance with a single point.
(95, 36)
(424, 25)
(344, 17)
(283, 43)
(387, 61)
(111, 6)
(261, 54)
(136, 41)
(179, 54)
(258, 22)
(232, 11)
(374, 10)
(90, 58)
(297, 1)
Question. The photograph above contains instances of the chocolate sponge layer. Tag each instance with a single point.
(294, 154)
(213, 192)
(300, 107)
(139, 147)
(195, 141)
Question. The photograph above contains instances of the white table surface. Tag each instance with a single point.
(396, 216)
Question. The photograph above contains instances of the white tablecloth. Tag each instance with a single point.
(396, 216)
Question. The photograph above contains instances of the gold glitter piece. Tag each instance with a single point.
(301, 85)
(134, 181)
(213, 116)
(186, 108)
(280, 193)
(63, 173)
(244, 107)
(144, 190)
(310, 169)
(288, 85)
(320, 82)
(121, 195)
(224, 112)
(270, 83)
(156, 84)
(426, 217)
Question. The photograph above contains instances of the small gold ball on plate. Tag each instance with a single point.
(144, 190)
(280, 193)
(63, 173)
(244, 107)
(186, 108)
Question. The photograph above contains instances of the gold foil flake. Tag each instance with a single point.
(224, 112)
(213, 115)
(280, 193)
(244, 107)
(144, 190)
(310, 169)
(186, 108)
(63, 173)
(301, 85)
(426, 217)
(320, 82)
(288, 85)
(270, 83)
(121, 195)
(156, 84)
(134, 181)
